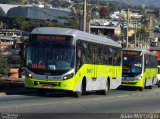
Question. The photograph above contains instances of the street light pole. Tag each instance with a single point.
(84, 15)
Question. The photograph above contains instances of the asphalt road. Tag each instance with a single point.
(28, 104)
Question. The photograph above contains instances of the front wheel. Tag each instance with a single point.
(158, 84)
(77, 94)
(144, 86)
(150, 87)
(141, 88)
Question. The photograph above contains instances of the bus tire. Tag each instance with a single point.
(144, 86)
(158, 84)
(77, 94)
(150, 87)
(141, 88)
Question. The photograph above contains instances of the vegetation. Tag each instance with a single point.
(3, 66)
(22, 24)
(64, 4)
(104, 12)
(27, 25)
(6, 1)
(12, 1)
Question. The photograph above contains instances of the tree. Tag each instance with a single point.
(157, 13)
(48, 24)
(4, 70)
(113, 7)
(17, 22)
(5, 1)
(73, 23)
(104, 12)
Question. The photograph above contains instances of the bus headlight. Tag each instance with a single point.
(30, 75)
(68, 76)
(139, 77)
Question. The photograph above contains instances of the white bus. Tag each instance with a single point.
(72, 60)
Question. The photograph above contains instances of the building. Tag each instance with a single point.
(36, 12)
(39, 13)
(106, 27)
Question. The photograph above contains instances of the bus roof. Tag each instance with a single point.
(141, 50)
(76, 33)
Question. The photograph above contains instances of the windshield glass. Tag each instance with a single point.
(50, 58)
(132, 65)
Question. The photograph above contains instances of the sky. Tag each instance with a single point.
(154, 3)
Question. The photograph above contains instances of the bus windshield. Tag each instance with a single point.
(50, 58)
(132, 65)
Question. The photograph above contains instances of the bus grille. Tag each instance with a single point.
(47, 83)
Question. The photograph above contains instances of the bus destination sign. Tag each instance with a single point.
(125, 52)
(50, 37)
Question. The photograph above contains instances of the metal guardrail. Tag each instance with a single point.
(11, 80)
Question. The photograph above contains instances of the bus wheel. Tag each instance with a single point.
(150, 87)
(158, 84)
(41, 92)
(144, 86)
(141, 88)
(77, 94)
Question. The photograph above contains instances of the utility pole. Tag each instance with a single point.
(127, 27)
(135, 40)
(150, 33)
(84, 15)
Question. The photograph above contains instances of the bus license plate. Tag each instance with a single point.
(47, 87)
(125, 81)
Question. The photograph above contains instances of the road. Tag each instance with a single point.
(116, 102)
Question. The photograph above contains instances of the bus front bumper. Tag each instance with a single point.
(133, 83)
(49, 84)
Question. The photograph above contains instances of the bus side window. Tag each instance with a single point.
(99, 54)
(114, 56)
(119, 56)
(78, 55)
(110, 55)
(89, 55)
(85, 52)
(146, 64)
(106, 55)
